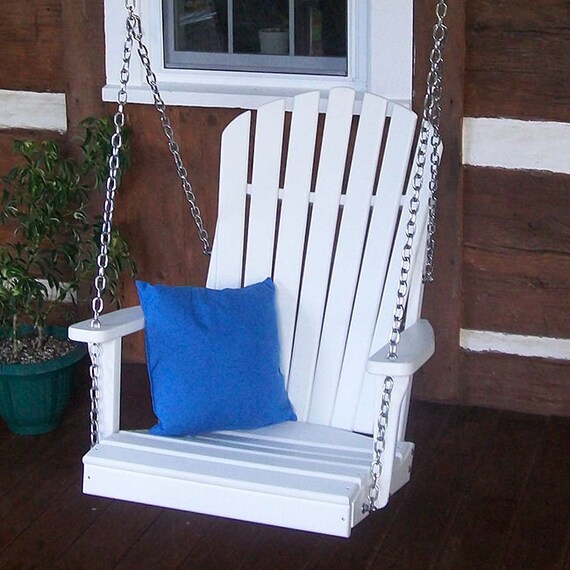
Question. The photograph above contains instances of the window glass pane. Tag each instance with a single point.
(283, 36)
(259, 20)
(320, 28)
(200, 26)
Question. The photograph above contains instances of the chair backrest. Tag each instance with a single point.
(313, 198)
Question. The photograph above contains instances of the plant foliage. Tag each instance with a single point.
(56, 243)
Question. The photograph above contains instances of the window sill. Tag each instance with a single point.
(216, 96)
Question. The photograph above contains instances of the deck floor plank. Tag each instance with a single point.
(41, 470)
(544, 509)
(108, 540)
(418, 530)
(480, 528)
(242, 545)
(489, 490)
(46, 540)
(161, 546)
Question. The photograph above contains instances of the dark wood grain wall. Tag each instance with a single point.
(516, 246)
(32, 46)
(32, 59)
(503, 235)
(32, 54)
(439, 380)
(517, 59)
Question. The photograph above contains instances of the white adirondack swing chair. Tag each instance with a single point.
(332, 240)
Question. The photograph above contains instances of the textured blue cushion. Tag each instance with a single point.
(213, 358)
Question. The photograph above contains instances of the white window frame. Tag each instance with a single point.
(380, 60)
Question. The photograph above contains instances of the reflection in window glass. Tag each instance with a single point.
(295, 36)
(199, 26)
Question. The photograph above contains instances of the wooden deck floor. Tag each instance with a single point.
(489, 490)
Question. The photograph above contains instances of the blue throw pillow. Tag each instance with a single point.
(213, 358)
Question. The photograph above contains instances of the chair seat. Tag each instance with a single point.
(294, 474)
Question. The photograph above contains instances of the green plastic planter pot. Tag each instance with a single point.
(33, 397)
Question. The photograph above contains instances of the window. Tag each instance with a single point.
(292, 36)
(215, 53)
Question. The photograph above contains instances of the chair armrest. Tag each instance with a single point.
(417, 344)
(113, 325)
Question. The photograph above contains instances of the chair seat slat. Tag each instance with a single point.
(373, 271)
(227, 255)
(291, 459)
(294, 219)
(347, 259)
(139, 454)
(320, 246)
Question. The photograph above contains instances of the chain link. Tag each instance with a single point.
(432, 114)
(100, 281)
(134, 34)
(430, 122)
(379, 446)
(94, 370)
(169, 134)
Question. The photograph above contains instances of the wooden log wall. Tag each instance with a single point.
(32, 46)
(516, 222)
(32, 54)
(503, 235)
(442, 305)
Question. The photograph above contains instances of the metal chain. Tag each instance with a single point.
(134, 33)
(105, 239)
(169, 133)
(431, 119)
(379, 446)
(432, 114)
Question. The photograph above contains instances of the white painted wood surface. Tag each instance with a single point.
(116, 324)
(30, 110)
(374, 266)
(227, 254)
(330, 250)
(288, 475)
(416, 346)
(262, 219)
(294, 219)
(366, 410)
(519, 345)
(510, 143)
(319, 251)
(347, 260)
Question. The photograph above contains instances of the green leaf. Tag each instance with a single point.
(45, 196)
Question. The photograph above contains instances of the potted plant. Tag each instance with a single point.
(53, 253)
(274, 37)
